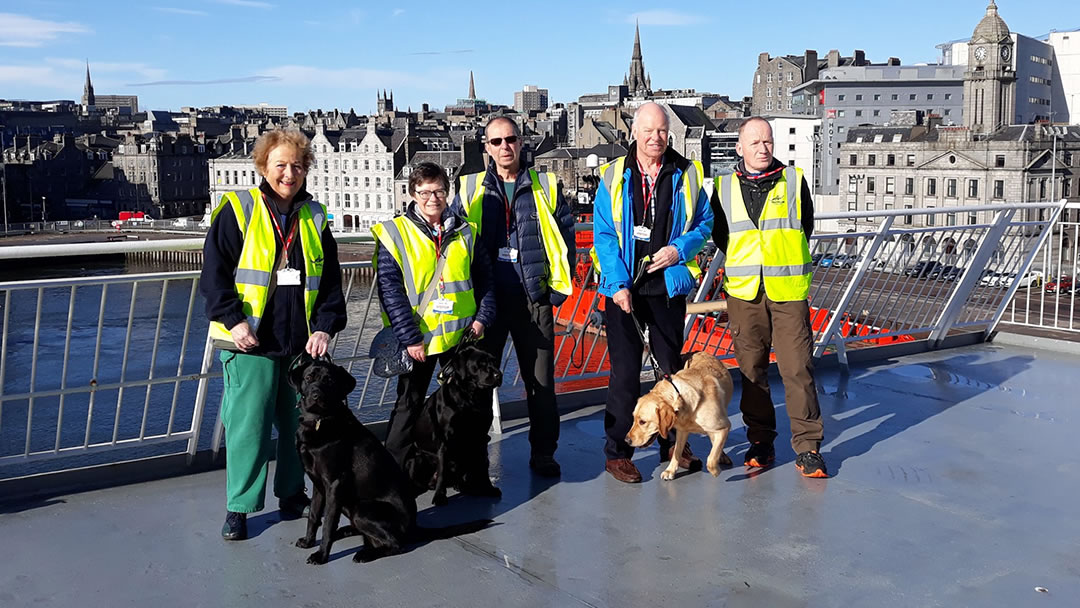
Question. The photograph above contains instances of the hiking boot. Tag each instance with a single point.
(760, 454)
(545, 466)
(687, 460)
(811, 464)
(623, 470)
(294, 507)
(235, 527)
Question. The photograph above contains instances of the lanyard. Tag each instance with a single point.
(648, 193)
(438, 254)
(506, 201)
(277, 228)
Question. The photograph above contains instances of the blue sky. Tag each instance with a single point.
(337, 53)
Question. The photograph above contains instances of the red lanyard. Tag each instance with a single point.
(277, 228)
(647, 192)
(502, 195)
(438, 253)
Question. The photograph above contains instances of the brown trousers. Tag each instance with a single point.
(757, 326)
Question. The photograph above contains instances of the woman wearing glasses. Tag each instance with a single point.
(407, 254)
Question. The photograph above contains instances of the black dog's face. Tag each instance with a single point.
(476, 369)
(323, 385)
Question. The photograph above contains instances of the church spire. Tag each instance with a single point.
(637, 82)
(637, 41)
(472, 86)
(88, 88)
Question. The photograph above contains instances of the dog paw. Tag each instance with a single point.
(364, 556)
(667, 474)
(714, 470)
(305, 543)
(346, 531)
(726, 460)
(316, 559)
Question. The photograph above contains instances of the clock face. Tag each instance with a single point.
(980, 53)
(1006, 53)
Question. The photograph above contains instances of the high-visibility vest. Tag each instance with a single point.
(255, 267)
(613, 175)
(416, 255)
(472, 189)
(775, 248)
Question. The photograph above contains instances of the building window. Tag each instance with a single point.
(870, 185)
(367, 201)
(348, 200)
(853, 159)
(852, 205)
(890, 160)
(1042, 189)
(1066, 189)
(355, 165)
(931, 186)
(877, 112)
(950, 219)
(929, 97)
(367, 182)
(911, 160)
(973, 188)
(909, 186)
(367, 165)
(890, 185)
(869, 205)
(768, 106)
(858, 112)
(768, 92)
(930, 218)
(871, 159)
(895, 97)
(912, 97)
(839, 113)
(948, 96)
(907, 218)
(840, 97)
(877, 97)
(858, 98)
(768, 78)
(999, 160)
(791, 76)
(346, 181)
(852, 186)
(791, 147)
(950, 188)
(791, 131)
(999, 188)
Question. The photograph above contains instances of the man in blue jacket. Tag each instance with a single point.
(526, 227)
(650, 213)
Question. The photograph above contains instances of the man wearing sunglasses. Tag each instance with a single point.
(651, 217)
(526, 226)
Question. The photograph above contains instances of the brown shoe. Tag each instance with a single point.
(623, 470)
(686, 461)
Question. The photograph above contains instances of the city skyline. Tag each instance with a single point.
(341, 55)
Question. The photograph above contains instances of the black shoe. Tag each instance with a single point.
(811, 464)
(235, 527)
(294, 507)
(545, 466)
(760, 455)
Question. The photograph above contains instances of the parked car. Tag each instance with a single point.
(1031, 278)
(920, 270)
(1063, 285)
(846, 260)
(955, 273)
(990, 278)
(826, 260)
(936, 273)
(814, 259)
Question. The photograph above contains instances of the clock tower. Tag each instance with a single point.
(990, 80)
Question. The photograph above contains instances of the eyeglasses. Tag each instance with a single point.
(426, 194)
(497, 141)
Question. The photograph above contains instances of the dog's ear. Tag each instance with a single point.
(344, 379)
(296, 370)
(665, 416)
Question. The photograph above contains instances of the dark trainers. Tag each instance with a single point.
(235, 527)
(294, 507)
(811, 464)
(687, 460)
(545, 466)
(760, 454)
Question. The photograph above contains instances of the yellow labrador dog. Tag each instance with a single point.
(698, 406)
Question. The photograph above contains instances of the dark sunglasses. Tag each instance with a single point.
(497, 141)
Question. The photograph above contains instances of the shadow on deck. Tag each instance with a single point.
(956, 478)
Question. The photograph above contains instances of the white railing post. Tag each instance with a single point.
(857, 276)
(200, 399)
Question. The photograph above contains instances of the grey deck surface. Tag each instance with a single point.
(956, 479)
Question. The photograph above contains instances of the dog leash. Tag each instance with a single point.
(658, 372)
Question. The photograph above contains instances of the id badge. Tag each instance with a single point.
(288, 276)
(508, 254)
(442, 306)
(642, 233)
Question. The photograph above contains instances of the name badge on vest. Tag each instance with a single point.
(642, 233)
(288, 276)
(442, 306)
(508, 254)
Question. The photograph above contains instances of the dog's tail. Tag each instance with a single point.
(423, 534)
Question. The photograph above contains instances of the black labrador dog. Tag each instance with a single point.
(352, 473)
(451, 431)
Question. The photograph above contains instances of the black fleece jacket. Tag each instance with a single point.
(755, 192)
(395, 301)
(283, 330)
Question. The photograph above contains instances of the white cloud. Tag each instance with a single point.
(37, 76)
(23, 31)
(125, 70)
(247, 3)
(662, 17)
(398, 12)
(181, 11)
(358, 78)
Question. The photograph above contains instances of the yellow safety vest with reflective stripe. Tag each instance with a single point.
(613, 176)
(255, 267)
(415, 254)
(472, 189)
(775, 248)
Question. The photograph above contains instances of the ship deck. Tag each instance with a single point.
(955, 478)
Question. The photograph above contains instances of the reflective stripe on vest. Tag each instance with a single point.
(254, 269)
(775, 249)
(415, 254)
(545, 197)
(613, 175)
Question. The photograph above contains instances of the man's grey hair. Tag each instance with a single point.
(513, 125)
(663, 110)
(750, 120)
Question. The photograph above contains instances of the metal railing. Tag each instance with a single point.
(120, 367)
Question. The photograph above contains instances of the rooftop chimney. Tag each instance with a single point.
(810, 71)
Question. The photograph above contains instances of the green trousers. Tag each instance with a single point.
(258, 395)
